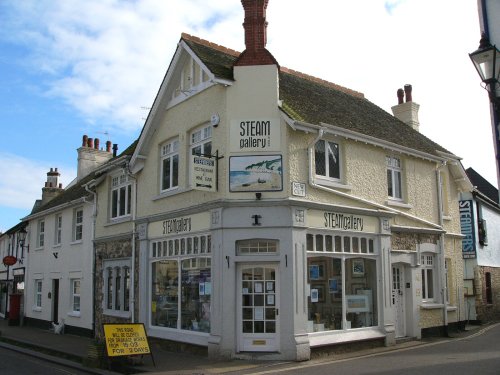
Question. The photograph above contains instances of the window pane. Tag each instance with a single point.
(165, 289)
(333, 160)
(175, 170)
(319, 157)
(196, 291)
(122, 201)
(397, 184)
(166, 174)
(114, 203)
(389, 183)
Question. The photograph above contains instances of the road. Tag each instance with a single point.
(14, 363)
(476, 354)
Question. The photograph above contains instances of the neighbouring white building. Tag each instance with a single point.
(59, 284)
(480, 218)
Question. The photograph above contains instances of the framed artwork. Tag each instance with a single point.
(317, 271)
(320, 290)
(358, 267)
(255, 173)
(357, 303)
(314, 295)
(335, 285)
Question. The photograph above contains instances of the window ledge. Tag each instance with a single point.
(119, 220)
(169, 193)
(394, 203)
(57, 246)
(118, 314)
(451, 308)
(75, 314)
(431, 306)
(331, 183)
(76, 242)
(37, 309)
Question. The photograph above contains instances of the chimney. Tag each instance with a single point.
(407, 111)
(52, 186)
(90, 157)
(255, 26)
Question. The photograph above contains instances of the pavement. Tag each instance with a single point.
(80, 352)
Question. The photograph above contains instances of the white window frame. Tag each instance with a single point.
(76, 296)
(326, 160)
(427, 266)
(114, 307)
(78, 225)
(40, 241)
(201, 138)
(37, 303)
(58, 230)
(169, 152)
(394, 177)
(121, 187)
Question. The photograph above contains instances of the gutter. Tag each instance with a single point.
(310, 150)
(442, 259)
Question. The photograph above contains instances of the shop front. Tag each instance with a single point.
(180, 287)
(345, 277)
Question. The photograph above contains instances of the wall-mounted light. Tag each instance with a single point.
(21, 239)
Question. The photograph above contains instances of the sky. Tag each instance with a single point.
(72, 67)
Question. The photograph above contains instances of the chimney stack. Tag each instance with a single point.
(52, 186)
(90, 157)
(407, 111)
(255, 26)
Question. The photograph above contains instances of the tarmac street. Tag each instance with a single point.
(72, 350)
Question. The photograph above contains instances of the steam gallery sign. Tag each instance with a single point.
(255, 134)
(466, 209)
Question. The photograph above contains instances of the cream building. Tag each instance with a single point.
(277, 213)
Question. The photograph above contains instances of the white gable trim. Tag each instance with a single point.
(164, 101)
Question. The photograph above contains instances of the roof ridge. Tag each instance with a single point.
(323, 82)
(311, 78)
(207, 43)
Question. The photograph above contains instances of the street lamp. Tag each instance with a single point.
(21, 236)
(486, 60)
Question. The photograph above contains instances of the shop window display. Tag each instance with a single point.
(343, 292)
(186, 305)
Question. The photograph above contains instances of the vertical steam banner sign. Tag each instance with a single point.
(466, 209)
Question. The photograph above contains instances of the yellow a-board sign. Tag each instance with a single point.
(126, 339)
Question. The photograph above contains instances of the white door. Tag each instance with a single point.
(398, 300)
(258, 308)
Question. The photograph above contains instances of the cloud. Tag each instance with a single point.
(106, 59)
(390, 6)
(20, 185)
